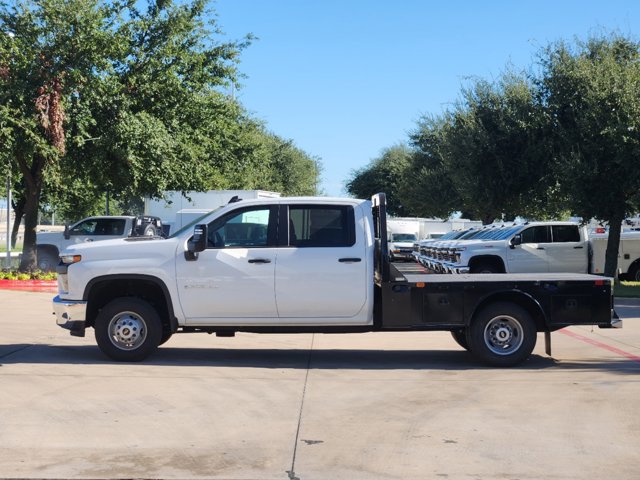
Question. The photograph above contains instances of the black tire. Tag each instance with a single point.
(460, 336)
(634, 273)
(47, 259)
(502, 334)
(150, 231)
(128, 329)
(166, 335)
(485, 267)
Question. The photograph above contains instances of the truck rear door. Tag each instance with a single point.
(531, 255)
(567, 252)
(321, 270)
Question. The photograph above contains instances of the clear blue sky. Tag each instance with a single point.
(346, 79)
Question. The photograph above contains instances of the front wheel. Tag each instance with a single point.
(502, 334)
(47, 259)
(485, 267)
(128, 329)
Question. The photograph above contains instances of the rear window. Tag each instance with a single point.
(566, 233)
(321, 226)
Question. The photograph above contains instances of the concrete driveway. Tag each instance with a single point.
(360, 406)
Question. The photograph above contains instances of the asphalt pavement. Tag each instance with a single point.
(359, 406)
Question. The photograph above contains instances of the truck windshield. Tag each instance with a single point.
(190, 225)
(403, 237)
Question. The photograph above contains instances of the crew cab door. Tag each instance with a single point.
(567, 252)
(233, 278)
(531, 255)
(322, 264)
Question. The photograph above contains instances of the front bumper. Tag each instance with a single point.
(71, 315)
(402, 254)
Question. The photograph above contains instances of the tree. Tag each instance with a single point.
(495, 145)
(486, 157)
(123, 97)
(592, 95)
(427, 185)
(292, 170)
(383, 174)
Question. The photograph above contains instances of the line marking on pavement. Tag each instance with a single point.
(292, 473)
(602, 345)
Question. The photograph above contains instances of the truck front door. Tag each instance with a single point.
(234, 277)
(531, 255)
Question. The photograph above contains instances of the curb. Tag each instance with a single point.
(30, 285)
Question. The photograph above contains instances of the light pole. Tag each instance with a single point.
(9, 218)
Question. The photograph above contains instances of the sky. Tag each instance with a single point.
(346, 79)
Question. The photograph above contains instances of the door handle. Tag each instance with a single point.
(259, 260)
(350, 260)
(578, 247)
(540, 248)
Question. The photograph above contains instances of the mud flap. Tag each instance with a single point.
(547, 343)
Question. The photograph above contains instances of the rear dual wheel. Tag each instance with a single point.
(502, 334)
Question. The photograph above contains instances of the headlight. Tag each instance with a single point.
(69, 259)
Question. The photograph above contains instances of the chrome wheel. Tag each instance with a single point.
(503, 335)
(127, 330)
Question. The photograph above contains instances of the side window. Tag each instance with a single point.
(321, 226)
(110, 226)
(241, 229)
(566, 233)
(88, 227)
(539, 234)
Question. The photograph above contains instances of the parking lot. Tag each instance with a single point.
(360, 406)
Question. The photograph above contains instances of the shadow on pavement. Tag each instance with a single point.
(320, 359)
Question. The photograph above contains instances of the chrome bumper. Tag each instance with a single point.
(71, 315)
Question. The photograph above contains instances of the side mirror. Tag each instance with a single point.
(197, 243)
(516, 240)
(67, 233)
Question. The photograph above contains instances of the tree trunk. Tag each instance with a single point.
(32, 175)
(488, 219)
(18, 211)
(613, 245)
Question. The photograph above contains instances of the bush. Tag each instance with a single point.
(35, 275)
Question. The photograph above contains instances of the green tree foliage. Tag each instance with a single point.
(127, 98)
(485, 157)
(591, 91)
(292, 170)
(427, 186)
(383, 174)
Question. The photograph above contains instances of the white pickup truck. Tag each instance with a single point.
(401, 246)
(305, 265)
(91, 229)
(530, 248)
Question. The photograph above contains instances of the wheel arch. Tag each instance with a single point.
(47, 250)
(492, 259)
(101, 290)
(522, 299)
(633, 270)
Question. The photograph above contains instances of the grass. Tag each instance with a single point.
(627, 290)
